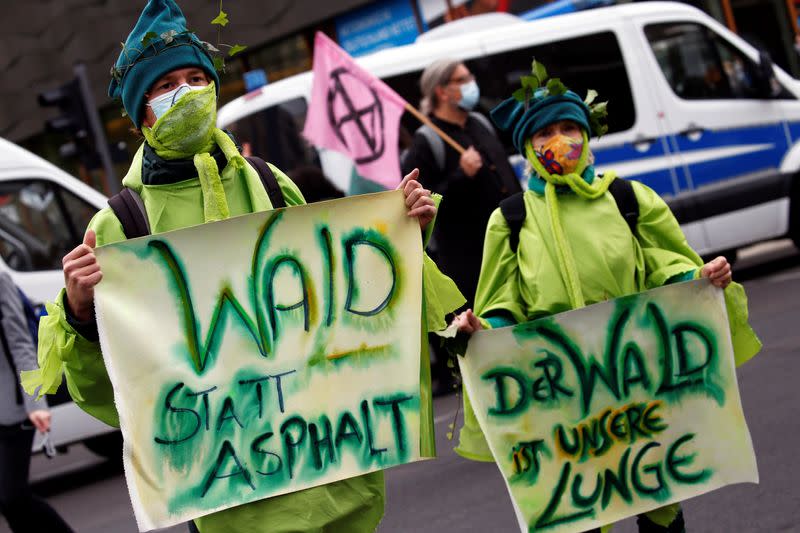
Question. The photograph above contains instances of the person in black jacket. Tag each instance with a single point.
(473, 183)
(20, 414)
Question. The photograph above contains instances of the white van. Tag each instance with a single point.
(43, 214)
(695, 112)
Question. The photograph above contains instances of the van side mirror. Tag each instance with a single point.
(766, 82)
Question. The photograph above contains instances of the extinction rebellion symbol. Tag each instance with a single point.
(354, 106)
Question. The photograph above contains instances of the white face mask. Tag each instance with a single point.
(163, 102)
(470, 94)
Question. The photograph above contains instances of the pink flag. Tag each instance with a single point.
(353, 112)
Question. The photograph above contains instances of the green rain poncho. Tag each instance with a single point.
(351, 505)
(611, 262)
(575, 248)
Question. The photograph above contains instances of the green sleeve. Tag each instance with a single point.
(107, 227)
(440, 295)
(428, 231)
(87, 378)
(498, 285)
(665, 251)
(669, 258)
(62, 350)
(291, 193)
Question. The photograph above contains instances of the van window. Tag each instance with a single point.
(40, 222)
(590, 61)
(275, 135)
(582, 63)
(699, 65)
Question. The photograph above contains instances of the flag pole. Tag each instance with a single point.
(425, 120)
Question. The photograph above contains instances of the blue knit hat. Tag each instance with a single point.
(542, 111)
(158, 44)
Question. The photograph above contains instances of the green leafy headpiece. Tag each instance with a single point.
(542, 101)
(158, 44)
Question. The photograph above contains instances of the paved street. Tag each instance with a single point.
(452, 494)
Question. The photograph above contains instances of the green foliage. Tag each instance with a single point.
(235, 49)
(555, 87)
(172, 38)
(539, 83)
(597, 115)
(521, 95)
(539, 71)
(221, 19)
(148, 38)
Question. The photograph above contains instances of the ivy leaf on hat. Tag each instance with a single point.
(221, 19)
(149, 37)
(235, 49)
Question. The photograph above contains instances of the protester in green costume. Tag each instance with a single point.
(575, 248)
(188, 172)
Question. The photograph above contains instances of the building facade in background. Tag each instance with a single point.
(43, 40)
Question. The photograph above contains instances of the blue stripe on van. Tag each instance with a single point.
(711, 170)
(658, 180)
(794, 131)
(772, 137)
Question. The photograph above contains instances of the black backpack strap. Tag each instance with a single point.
(513, 209)
(269, 181)
(628, 205)
(129, 210)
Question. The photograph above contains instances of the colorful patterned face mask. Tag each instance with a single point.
(560, 154)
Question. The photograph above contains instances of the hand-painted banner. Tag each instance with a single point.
(263, 354)
(612, 410)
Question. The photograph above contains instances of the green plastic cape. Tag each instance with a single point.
(351, 505)
(527, 285)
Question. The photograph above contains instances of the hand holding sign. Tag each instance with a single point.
(418, 199)
(81, 274)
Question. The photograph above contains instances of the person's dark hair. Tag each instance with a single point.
(313, 184)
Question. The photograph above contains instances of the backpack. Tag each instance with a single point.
(513, 209)
(436, 143)
(32, 317)
(129, 208)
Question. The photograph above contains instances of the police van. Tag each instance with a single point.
(43, 214)
(695, 112)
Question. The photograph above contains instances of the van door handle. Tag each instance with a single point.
(642, 144)
(693, 132)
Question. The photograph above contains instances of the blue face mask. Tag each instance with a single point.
(469, 95)
(162, 103)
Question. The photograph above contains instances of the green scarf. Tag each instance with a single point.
(583, 188)
(188, 130)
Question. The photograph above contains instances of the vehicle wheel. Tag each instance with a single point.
(108, 445)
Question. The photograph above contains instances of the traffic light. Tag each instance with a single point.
(80, 122)
(72, 122)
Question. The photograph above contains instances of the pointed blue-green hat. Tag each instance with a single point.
(543, 110)
(158, 44)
